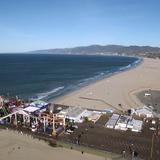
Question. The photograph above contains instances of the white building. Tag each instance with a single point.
(137, 125)
(122, 122)
(130, 124)
(112, 121)
(144, 112)
(76, 114)
(36, 106)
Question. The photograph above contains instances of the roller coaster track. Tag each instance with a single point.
(1, 118)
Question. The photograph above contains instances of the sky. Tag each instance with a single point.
(27, 25)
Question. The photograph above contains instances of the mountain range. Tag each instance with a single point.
(144, 51)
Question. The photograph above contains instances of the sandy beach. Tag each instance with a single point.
(21, 147)
(117, 91)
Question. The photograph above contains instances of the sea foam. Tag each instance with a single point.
(46, 94)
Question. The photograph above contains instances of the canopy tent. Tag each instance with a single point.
(31, 109)
(35, 106)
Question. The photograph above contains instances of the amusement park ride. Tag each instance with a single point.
(52, 119)
(20, 116)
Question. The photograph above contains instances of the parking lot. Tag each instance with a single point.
(146, 143)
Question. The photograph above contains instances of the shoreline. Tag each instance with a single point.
(72, 91)
(96, 78)
(86, 84)
(117, 87)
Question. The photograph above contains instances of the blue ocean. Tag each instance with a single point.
(47, 76)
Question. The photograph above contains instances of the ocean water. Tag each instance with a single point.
(47, 76)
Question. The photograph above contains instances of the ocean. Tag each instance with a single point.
(47, 76)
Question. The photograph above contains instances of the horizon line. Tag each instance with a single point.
(18, 52)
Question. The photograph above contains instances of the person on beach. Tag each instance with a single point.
(123, 153)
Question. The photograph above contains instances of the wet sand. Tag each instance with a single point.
(21, 147)
(117, 91)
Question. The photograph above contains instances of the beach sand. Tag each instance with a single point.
(117, 91)
(21, 147)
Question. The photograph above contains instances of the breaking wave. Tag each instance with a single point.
(46, 94)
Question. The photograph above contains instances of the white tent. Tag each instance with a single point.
(31, 109)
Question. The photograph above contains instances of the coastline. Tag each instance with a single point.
(97, 78)
(91, 80)
(116, 91)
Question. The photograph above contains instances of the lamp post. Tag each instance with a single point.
(152, 145)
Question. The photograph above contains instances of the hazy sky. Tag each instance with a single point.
(40, 24)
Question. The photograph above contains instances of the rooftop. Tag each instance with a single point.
(124, 119)
(73, 111)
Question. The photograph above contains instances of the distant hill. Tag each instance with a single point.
(145, 51)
